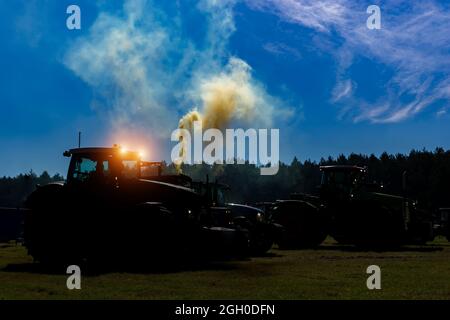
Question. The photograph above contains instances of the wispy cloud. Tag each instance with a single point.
(282, 49)
(441, 113)
(29, 23)
(317, 14)
(342, 90)
(414, 43)
(121, 60)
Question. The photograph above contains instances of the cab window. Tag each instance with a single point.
(85, 168)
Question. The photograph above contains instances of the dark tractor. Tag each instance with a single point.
(304, 224)
(352, 211)
(219, 212)
(110, 209)
(262, 232)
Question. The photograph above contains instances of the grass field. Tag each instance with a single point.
(330, 272)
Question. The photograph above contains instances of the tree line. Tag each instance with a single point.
(13, 191)
(428, 178)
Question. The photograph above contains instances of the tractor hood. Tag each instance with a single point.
(145, 190)
(167, 191)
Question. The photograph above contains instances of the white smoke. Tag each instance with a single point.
(121, 60)
(145, 75)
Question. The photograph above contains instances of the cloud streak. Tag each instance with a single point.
(414, 43)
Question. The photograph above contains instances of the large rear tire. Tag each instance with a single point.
(304, 224)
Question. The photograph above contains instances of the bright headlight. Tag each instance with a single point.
(259, 217)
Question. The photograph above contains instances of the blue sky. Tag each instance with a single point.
(320, 75)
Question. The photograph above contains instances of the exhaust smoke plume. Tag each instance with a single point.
(230, 96)
(144, 74)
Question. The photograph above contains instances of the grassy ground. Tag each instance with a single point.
(330, 272)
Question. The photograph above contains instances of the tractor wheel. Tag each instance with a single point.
(39, 239)
(260, 242)
(152, 224)
(424, 233)
(379, 228)
(342, 239)
(303, 223)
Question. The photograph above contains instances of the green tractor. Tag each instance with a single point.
(352, 211)
(114, 208)
(261, 230)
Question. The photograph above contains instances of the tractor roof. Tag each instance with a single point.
(94, 150)
(342, 168)
(100, 150)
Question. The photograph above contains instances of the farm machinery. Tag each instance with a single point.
(262, 232)
(352, 211)
(112, 207)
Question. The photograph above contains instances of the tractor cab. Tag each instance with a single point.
(342, 175)
(214, 196)
(341, 181)
(107, 165)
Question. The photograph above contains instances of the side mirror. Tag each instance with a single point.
(67, 154)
